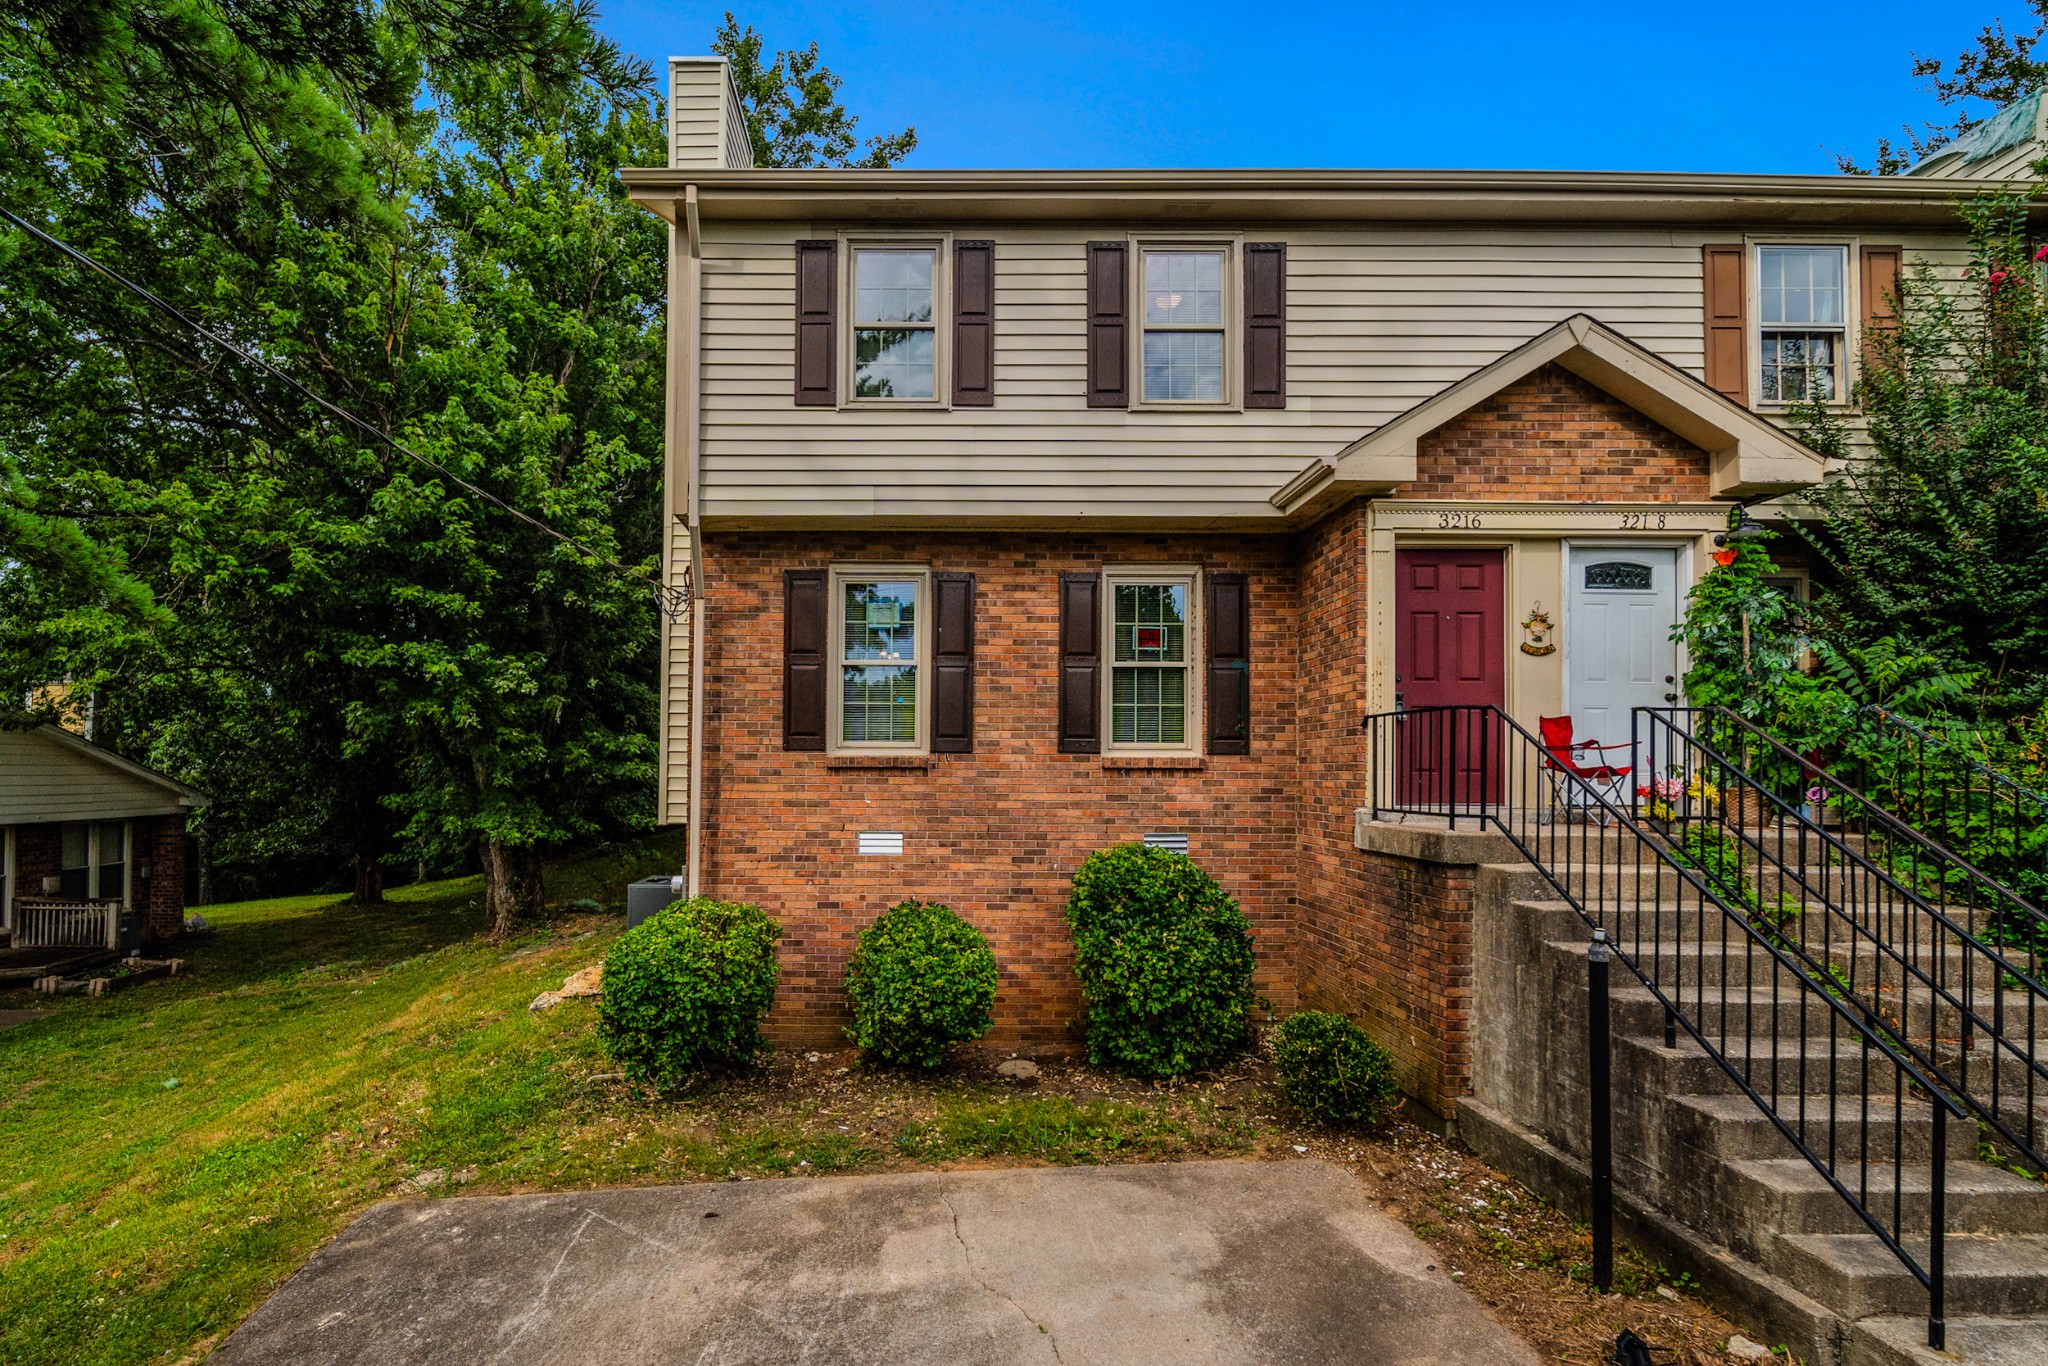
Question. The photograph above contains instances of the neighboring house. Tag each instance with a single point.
(1032, 511)
(92, 846)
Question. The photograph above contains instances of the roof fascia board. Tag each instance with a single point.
(1266, 195)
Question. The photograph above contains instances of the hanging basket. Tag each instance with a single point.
(1746, 807)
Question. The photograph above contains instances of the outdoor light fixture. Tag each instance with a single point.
(1746, 528)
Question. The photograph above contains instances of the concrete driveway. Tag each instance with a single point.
(1199, 1262)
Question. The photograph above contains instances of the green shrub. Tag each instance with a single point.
(920, 978)
(1165, 959)
(1331, 1070)
(684, 990)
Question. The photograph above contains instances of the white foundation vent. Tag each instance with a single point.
(881, 842)
(1177, 843)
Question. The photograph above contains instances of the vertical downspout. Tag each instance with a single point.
(693, 418)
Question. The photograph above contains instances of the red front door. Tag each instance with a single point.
(1450, 649)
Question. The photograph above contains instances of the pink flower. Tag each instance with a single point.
(2041, 253)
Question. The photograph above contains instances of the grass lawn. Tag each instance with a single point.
(175, 1151)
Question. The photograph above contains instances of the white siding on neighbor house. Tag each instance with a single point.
(42, 779)
(1379, 318)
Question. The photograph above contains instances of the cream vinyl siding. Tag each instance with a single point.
(673, 799)
(1378, 319)
(706, 125)
(45, 780)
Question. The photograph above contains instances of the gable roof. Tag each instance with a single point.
(1748, 456)
(49, 774)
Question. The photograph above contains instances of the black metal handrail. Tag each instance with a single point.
(1956, 793)
(1719, 976)
(1858, 903)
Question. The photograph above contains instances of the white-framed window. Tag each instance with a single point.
(1153, 645)
(1187, 316)
(881, 638)
(896, 293)
(1803, 302)
(92, 861)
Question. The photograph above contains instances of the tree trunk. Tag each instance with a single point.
(513, 890)
(203, 849)
(369, 879)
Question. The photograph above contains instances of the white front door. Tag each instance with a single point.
(1620, 607)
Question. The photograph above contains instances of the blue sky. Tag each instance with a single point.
(1767, 87)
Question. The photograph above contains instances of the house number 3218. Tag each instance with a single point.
(1457, 519)
(1642, 521)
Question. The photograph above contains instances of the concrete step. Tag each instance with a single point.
(1786, 1067)
(1788, 1196)
(1900, 1340)
(1855, 1275)
(1732, 959)
(1730, 1127)
(1788, 1011)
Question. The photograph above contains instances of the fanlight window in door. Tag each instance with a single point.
(1619, 576)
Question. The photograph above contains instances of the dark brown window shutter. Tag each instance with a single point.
(1228, 629)
(817, 324)
(953, 664)
(1726, 304)
(1265, 325)
(1109, 340)
(805, 612)
(1080, 663)
(974, 324)
(1880, 300)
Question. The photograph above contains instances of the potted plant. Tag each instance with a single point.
(1816, 808)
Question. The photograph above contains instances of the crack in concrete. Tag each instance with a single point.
(527, 1320)
(967, 1256)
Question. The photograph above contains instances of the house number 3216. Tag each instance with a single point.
(1457, 519)
(1642, 521)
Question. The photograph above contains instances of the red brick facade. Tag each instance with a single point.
(998, 833)
(1554, 437)
(158, 843)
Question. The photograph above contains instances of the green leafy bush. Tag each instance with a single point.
(685, 990)
(921, 978)
(1165, 959)
(1330, 1069)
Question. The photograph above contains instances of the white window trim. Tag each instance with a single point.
(941, 247)
(1852, 316)
(921, 652)
(1197, 728)
(94, 859)
(1232, 247)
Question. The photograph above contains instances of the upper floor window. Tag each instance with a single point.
(879, 626)
(1802, 311)
(1185, 312)
(1152, 685)
(895, 333)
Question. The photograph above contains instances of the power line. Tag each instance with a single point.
(673, 601)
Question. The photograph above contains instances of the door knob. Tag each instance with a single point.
(1669, 679)
(1671, 697)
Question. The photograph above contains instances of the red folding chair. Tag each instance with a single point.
(1563, 761)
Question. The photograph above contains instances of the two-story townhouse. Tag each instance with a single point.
(1027, 512)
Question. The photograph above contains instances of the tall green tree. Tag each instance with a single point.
(1996, 69)
(363, 661)
(1939, 537)
(794, 115)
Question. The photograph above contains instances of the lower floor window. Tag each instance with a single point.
(1149, 649)
(880, 631)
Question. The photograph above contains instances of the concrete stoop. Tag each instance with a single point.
(1706, 1183)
